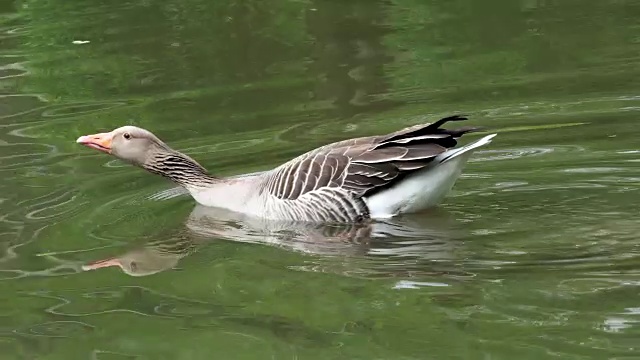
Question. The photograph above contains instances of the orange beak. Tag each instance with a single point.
(101, 142)
(101, 264)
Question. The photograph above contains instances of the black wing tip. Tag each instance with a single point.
(429, 128)
(457, 117)
(437, 124)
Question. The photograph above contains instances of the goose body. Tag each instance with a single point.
(347, 181)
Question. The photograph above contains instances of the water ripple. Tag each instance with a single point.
(19, 106)
(21, 155)
(71, 110)
(97, 354)
(57, 329)
(509, 154)
(60, 203)
(75, 303)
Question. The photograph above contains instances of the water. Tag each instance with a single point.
(535, 254)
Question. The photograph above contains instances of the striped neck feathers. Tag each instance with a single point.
(177, 167)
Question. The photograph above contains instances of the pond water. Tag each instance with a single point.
(534, 255)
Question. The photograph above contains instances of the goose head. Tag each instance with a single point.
(142, 148)
(129, 143)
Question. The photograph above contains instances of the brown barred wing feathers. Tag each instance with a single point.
(335, 177)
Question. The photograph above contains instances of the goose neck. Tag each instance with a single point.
(179, 168)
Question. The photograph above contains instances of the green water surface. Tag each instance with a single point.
(534, 255)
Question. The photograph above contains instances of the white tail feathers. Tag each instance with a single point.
(427, 187)
(448, 155)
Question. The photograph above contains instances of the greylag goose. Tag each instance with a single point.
(351, 180)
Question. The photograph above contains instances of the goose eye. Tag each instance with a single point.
(127, 136)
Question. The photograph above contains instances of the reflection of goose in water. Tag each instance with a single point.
(153, 257)
(429, 238)
(320, 239)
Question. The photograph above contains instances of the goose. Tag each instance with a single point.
(353, 180)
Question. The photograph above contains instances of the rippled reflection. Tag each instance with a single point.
(151, 258)
(428, 238)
